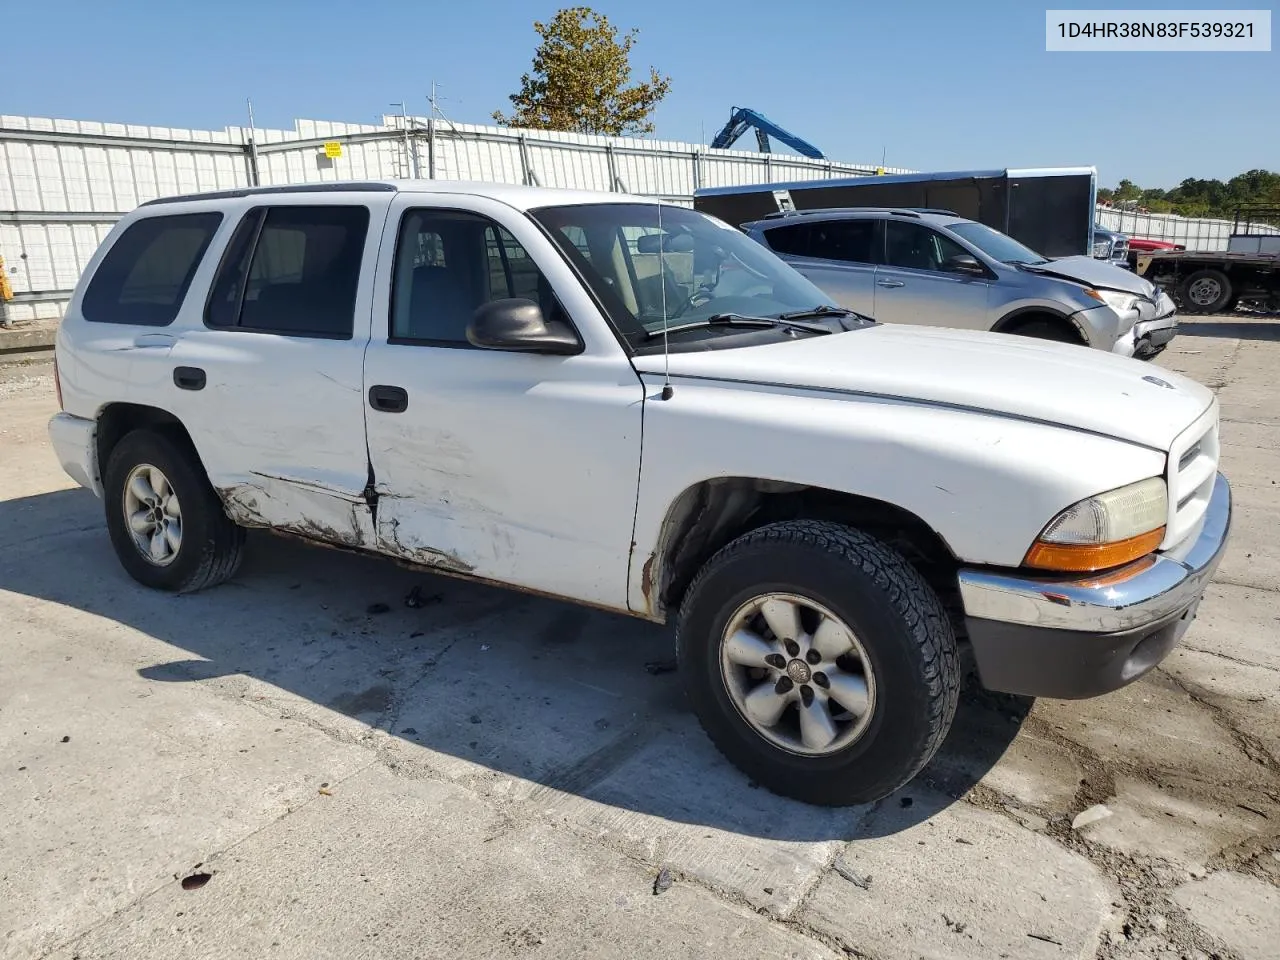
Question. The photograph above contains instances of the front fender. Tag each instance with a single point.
(985, 483)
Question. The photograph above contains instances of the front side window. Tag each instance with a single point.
(145, 275)
(652, 268)
(917, 247)
(293, 271)
(449, 263)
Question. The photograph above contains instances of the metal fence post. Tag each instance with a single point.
(527, 176)
(612, 162)
(431, 146)
(697, 169)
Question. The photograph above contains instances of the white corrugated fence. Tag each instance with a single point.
(63, 183)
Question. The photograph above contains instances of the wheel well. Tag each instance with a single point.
(1016, 321)
(712, 513)
(118, 419)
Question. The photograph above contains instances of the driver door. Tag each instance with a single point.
(520, 468)
(912, 286)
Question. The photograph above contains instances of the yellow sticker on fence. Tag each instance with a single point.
(333, 149)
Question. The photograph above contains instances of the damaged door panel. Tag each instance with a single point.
(279, 421)
(510, 466)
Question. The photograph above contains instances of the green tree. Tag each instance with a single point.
(581, 80)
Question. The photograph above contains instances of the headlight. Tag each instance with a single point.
(1102, 249)
(1117, 301)
(1104, 531)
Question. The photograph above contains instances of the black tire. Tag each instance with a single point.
(899, 621)
(1218, 304)
(1044, 328)
(211, 545)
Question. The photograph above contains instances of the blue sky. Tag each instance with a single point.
(936, 86)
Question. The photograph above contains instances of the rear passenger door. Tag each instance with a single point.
(837, 255)
(268, 380)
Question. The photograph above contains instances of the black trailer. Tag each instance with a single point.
(1247, 273)
(1051, 210)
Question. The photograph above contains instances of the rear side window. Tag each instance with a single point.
(849, 240)
(293, 271)
(145, 275)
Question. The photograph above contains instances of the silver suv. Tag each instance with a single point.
(932, 267)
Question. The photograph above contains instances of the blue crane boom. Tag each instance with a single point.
(743, 118)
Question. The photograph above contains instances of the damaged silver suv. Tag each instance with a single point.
(934, 268)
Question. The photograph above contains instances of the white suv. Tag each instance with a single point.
(636, 407)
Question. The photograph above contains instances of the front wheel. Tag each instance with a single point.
(819, 662)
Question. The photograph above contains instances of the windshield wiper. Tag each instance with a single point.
(821, 310)
(737, 320)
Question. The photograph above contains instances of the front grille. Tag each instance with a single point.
(1193, 469)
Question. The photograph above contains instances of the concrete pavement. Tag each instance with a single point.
(485, 774)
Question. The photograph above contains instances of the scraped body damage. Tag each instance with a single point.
(328, 516)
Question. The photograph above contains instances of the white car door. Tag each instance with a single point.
(515, 467)
(267, 374)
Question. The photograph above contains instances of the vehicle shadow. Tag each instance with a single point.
(468, 678)
(1262, 328)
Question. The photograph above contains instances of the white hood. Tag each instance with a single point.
(1057, 383)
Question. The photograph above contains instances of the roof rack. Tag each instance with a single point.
(897, 211)
(906, 212)
(354, 186)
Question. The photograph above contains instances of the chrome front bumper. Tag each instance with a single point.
(1085, 636)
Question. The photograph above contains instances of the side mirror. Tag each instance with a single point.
(517, 324)
(964, 263)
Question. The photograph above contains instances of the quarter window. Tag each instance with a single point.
(293, 271)
(792, 239)
(451, 262)
(145, 275)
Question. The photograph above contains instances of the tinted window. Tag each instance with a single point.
(916, 247)
(145, 275)
(292, 270)
(448, 264)
(792, 239)
(848, 240)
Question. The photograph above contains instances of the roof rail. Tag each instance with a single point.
(354, 186)
(903, 211)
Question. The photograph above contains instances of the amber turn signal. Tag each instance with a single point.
(1090, 557)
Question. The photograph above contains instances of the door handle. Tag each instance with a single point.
(890, 283)
(188, 378)
(387, 399)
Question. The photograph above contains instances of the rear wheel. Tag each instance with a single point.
(165, 521)
(818, 661)
(1206, 291)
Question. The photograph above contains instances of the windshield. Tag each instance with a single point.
(690, 270)
(996, 245)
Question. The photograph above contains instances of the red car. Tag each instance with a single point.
(1138, 245)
